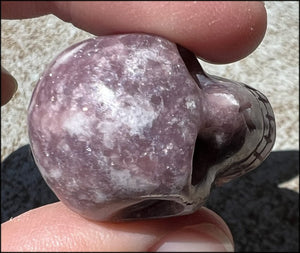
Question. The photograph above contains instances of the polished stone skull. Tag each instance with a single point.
(130, 127)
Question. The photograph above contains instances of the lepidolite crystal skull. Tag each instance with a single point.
(130, 127)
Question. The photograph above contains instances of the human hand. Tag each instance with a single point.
(219, 32)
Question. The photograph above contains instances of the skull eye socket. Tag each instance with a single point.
(205, 155)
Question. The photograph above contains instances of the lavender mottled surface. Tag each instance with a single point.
(129, 126)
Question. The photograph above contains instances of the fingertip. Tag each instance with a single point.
(232, 31)
(219, 222)
(205, 215)
(218, 32)
(9, 86)
(54, 227)
(203, 237)
(203, 231)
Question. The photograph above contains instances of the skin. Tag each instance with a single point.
(219, 32)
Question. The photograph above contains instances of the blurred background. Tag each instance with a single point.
(261, 208)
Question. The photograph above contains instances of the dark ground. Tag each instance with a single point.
(261, 216)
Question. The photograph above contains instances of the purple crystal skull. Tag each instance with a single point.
(130, 127)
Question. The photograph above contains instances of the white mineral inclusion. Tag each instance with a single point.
(190, 104)
(136, 116)
(123, 179)
(77, 123)
(55, 173)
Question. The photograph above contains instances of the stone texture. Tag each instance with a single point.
(261, 216)
(129, 126)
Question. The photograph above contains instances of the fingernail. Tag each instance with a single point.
(202, 237)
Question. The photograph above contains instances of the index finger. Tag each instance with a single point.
(219, 32)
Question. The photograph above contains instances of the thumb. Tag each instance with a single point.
(8, 86)
(56, 228)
